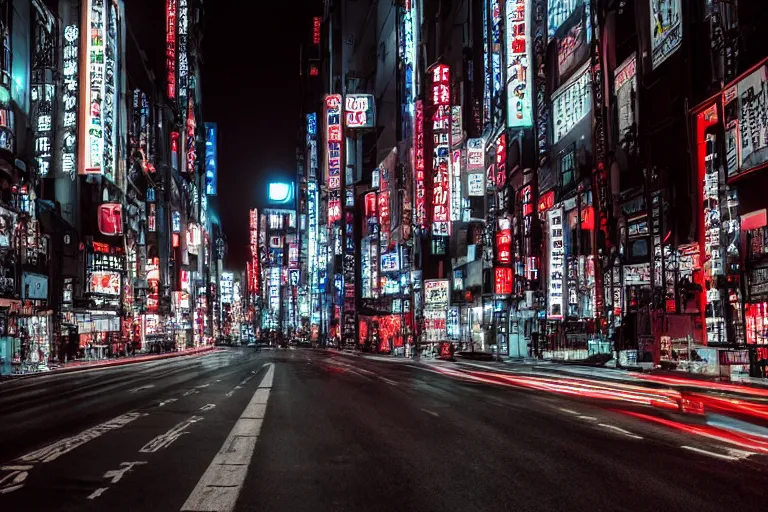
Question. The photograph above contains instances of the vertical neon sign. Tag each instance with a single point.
(519, 62)
(69, 97)
(421, 209)
(183, 66)
(441, 133)
(170, 47)
(94, 149)
(334, 141)
(496, 71)
(109, 105)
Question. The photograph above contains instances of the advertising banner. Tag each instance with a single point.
(746, 106)
(556, 286)
(666, 29)
(519, 59)
(571, 103)
(625, 87)
(360, 110)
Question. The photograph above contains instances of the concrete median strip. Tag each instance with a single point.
(220, 485)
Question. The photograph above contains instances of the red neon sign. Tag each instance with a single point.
(170, 46)
(441, 85)
(316, 22)
(421, 211)
(502, 280)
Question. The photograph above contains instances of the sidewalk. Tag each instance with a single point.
(74, 366)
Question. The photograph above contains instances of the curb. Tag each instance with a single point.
(117, 362)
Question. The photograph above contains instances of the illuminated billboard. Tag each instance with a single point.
(280, 192)
(745, 105)
(666, 29)
(519, 59)
(441, 158)
(99, 77)
(334, 139)
(71, 93)
(571, 103)
(556, 287)
(211, 159)
(360, 111)
(170, 47)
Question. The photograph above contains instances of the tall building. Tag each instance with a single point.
(538, 179)
(108, 237)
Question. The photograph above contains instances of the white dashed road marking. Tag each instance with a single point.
(710, 454)
(620, 431)
(220, 485)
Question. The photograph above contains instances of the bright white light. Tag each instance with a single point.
(279, 191)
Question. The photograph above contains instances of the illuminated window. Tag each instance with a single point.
(275, 221)
(567, 163)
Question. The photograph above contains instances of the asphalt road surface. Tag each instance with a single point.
(298, 430)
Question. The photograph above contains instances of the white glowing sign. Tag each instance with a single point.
(456, 185)
(519, 61)
(475, 154)
(95, 87)
(43, 89)
(360, 111)
(571, 103)
(70, 95)
(556, 287)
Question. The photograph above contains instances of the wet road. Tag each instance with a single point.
(309, 430)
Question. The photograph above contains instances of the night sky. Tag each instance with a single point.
(251, 88)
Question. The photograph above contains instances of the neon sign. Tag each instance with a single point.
(170, 47)
(94, 125)
(334, 139)
(43, 90)
(109, 105)
(316, 23)
(70, 96)
(556, 289)
(183, 66)
(421, 210)
(441, 134)
(359, 111)
(519, 61)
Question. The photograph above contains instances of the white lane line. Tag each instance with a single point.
(202, 386)
(741, 454)
(115, 475)
(569, 411)
(166, 439)
(388, 381)
(66, 445)
(190, 392)
(620, 430)
(207, 407)
(711, 454)
(431, 412)
(98, 492)
(14, 479)
(588, 418)
(166, 402)
(220, 485)
(142, 388)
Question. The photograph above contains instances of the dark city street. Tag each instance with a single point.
(342, 433)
